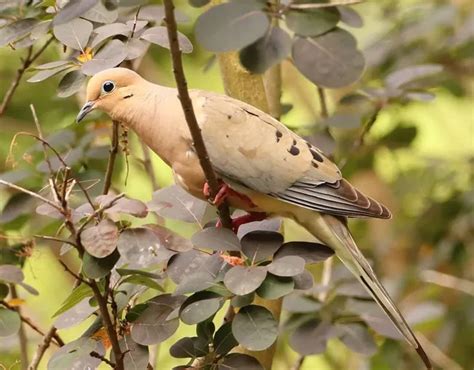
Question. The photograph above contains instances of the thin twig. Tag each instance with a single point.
(30, 58)
(114, 146)
(55, 239)
(23, 339)
(33, 194)
(102, 358)
(448, 281)
(72, 273)
(323, 5)
(31, 324)
(42, 347)
(149, 166)
(188, 111)
(298, 363)
(323, 103)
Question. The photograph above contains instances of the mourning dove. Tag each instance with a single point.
(257, 157)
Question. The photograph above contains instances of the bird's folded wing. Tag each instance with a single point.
(252, 148)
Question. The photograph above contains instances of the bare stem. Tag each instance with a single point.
(149, 166)
(42, 347)
(114, 146)
(23, 339)
(30, 58)
(33, 194)
(102, 358)
(188, 110)
(323, 103)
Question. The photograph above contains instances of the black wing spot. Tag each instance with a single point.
(128, 96)
(278, 135)
(251, 113)
(316, 155)
(294, 150)
(315, 165)
(229, 116)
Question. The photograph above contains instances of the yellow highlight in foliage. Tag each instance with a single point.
(86, 55)
(16, 302)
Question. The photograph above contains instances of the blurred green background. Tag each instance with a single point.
(424, 177)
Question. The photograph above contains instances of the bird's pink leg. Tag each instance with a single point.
(245, 219)
(225, 192)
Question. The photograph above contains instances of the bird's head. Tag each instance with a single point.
(109, 90)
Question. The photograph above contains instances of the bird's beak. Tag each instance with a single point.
(86, 108)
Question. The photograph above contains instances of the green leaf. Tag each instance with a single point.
(267, 51)
(76, 296)
(10, 322)
(3, 291)
(397, 79)
(312, 22)
(231, 26)
(243, 280)
(135, 312)
(76, 355)
(330, 60)
(300, 303)
(199, 307)
(145, 281)
(224, 340)
(126, 272)
(255, 328)
(274, 287)
(97, 268)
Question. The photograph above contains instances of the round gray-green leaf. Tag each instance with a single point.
(357, 338)
(330, 60)
(243, 280)
(240, 361)
(100, 240)
(74, 34)
(260, 245)
(9, 322)
(266, 51)
(199, 307)
(287, 266)
(231, 26)
(312, 22)
(255, 328)
(274, 287)
(70, 83)
(11, 274)
(111, 55)
(159, 36)
(217, 239)
(73, 9)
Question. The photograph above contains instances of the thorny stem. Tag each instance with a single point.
(30, 58)
(114, 146)
(188, 111)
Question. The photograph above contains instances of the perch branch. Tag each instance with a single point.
(114, 146)
(188, 110)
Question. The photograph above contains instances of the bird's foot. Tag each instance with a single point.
(224, 192)
(245, 219)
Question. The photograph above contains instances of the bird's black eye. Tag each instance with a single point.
(108, 86)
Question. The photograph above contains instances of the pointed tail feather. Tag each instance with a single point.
(350, 255)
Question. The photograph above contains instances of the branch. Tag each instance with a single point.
(33, 194)
(21, 332)
(30, 58)
(322, 103)
(102, 358)
(58, 341)
(188, 110)
(72, 273)
(149, 166)
(114, 146)
(43, 347)
(448, 281)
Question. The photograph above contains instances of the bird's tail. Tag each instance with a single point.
(348, 252)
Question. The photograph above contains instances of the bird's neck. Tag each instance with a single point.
(151, 113)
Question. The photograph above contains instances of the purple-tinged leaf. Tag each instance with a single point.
(255, 328)
(199, 307)
(100, 240)
(310, 252)
(274, 287)
(100, 14)
(216, 239)
(159, 36)
(71, 83)
(243, 280)
(239, 361)
(357, 338)
(300, 303)
(287, 266)
(311, 337)
(259, 246)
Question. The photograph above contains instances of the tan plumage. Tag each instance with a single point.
(257, 156)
